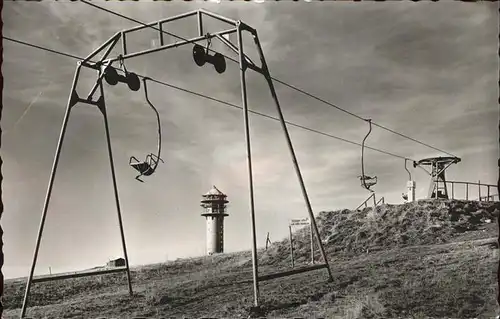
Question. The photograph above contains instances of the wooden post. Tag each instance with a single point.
(452, 190)
(437, 186)
(479, 189)
(267, 239)
(488, 193)
(312, 242)
(466, 191)
(291, 245)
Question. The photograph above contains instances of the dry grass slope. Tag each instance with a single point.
(428, 259)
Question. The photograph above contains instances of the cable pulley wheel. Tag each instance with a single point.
(199, 55)
(133, 81)
(111, 76)
(219, 62)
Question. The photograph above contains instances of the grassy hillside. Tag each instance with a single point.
(428, 259)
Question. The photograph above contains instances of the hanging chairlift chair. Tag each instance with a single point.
(149, 165)
(366, 181)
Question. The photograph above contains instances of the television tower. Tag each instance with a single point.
(214, 205)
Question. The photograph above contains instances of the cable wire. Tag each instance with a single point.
(42, 48)
(274, 79)
(359, 117)
(220, 101)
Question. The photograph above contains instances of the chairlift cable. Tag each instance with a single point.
(43, 48)
(274, 79)
(223, 103)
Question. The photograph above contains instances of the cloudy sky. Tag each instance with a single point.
(428, 70)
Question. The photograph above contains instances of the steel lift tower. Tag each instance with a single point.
(110, 67)
(437, 187)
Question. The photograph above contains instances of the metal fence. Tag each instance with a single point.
(466, 190)
(472, 191)
(375, 203)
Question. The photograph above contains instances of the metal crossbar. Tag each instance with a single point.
(292, 272)
(78, 274)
